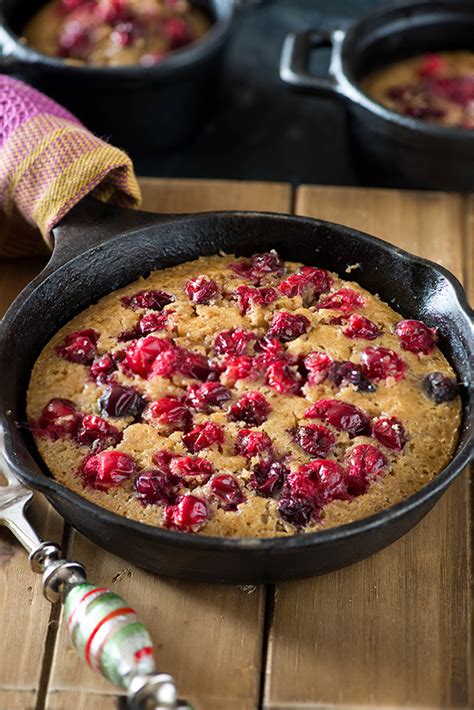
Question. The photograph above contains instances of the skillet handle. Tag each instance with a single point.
(295, 57)
(92, 222)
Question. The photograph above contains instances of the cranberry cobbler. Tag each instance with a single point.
(244, 397)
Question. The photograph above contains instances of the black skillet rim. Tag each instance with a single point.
(192, 54)
(349, 87)
(433, 489)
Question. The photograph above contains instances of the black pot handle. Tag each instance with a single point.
(295, 58)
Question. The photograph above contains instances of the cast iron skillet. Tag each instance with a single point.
(165, 103)
(100, 248)
(401, 150)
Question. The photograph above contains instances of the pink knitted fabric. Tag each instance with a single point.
(48, 163)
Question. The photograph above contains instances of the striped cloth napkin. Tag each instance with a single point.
(48, 162)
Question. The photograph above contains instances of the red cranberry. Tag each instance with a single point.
(119, 401)
(153, 321)
(341, 415)
(103, 367)
(271, 348)
(252, 443)
(177, 32)
(390, 432)
(321, 481)
(296, 511)
(201, 290)
(252, 408)
(125, 34)
(186, 466)
(74, 39)
(153, 300)
(172, 412)
(360, 327)
(233, 342)
(242, 367)
(346, 300)
(71, 5)
(288, 326)
(195, 365)
(317, 365)
(205, 397)
(348, 372)
(58, 419)
(107, 469)
(247, 295)
(380, 363)
(153, 486)
(96, 432)
(188, 515)
(282, 378)
(203, 436)
(113, 11)
(431, 65)
(258, 266)
(365, 463)
(162, 460)
(166, 363)
(315, 439)
(79, 347)
(415, 336)
(268, 477)
(439, 387)
(141, 355)
(309, 283)
(226, 488)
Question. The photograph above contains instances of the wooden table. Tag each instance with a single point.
(392, 631)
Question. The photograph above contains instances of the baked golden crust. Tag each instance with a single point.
(431, 428)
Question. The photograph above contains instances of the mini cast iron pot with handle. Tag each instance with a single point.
(141, 109)
(399, 150)
(99, 248)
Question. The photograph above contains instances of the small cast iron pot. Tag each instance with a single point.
(141, 109)
(100, 248)
(402, 151)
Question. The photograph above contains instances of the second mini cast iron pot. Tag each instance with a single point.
(141, 109)
(100, 248)
(389, 148)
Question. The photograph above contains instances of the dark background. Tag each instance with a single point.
(260, 130)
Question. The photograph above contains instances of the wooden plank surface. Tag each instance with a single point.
(209, 637)
(393, 630)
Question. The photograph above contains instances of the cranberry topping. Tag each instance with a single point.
(201, 290)
(365, 463)
(177, 32)
(360, 327)
(186, 466)
(79, 347)
(247, 295)
(188, 515)
(268, 477)
(195, 365)
(154, 486)
(97, 433)
(315, 439)
(252, 443)
(226, 488)
(309, 283)
(282, 378)
(431, 65)
(321, 481)
(341, 415)
(242, 367)
(153, 321)
(74, 39)
(390, 432)
(252, 408)
(112, 11)
(141, 355)
(439, 387)
(205, 397)
(119, 401)
(288, 326)
(296, 511)
(317, 364)
(348, 372)
(58, 419)
(203, 436)
(415, 336)
(345, 299)
(258, 266)
(107, 469)
(103, 367)
(380, 363)
(172, 412)
(125, 33)
(153, 300)
(233, 342)
(162, 460)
